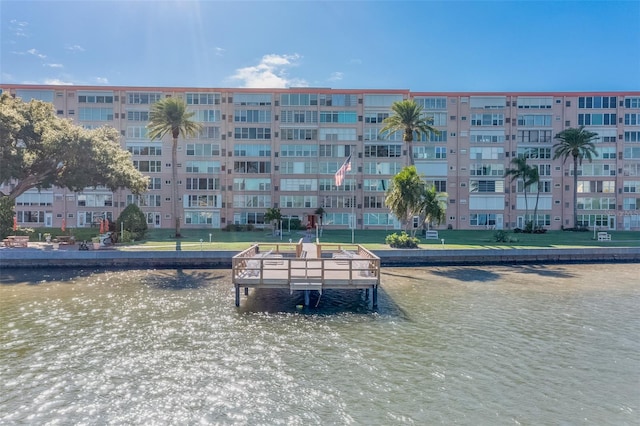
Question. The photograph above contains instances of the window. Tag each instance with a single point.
(485, 169)
(203, 98)
(478, 153)
(488, 102)
(606, 186)
(534, 153)
(429, 152)
(252, 116)
(137, 132)
(596, 119)
(246, 200)
(252, 166)
(486, 136)
(338, 117)
(251, 99)
(245, 150)
(432, 103)
(298, 116)
(382, 151)
(298, 99)
(202, 184)
(531, 120)
(198, 217)
(95, 97)
(208, 200)
(149, 149)
(143, 97)
(486, 186)
(338, 99)
(138, 116)
(482, 219)
(299, 134)
(631, 186)
(597, 102)
(155, 183)
(207, 115)
(287, 150)
(202, 149)
(148, 166)
(487, 119)
(632, 102)
(209, 132)
(252, 184)
(298, 185)
(381, 100)
(632, 136)
(338, 134)
(202, 167)
(534, 136)
(298, 201)
(95, 114)
(252, 133)
(632, 119)
(535, 102)
(42, 95)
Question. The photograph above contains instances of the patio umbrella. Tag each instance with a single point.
(101, 226)
(64, 225)
(106, 225)
(15, 223)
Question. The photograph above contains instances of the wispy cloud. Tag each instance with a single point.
(102, 80)
(336, 76)
(271, 72)
(19, 28)
(74, 48)
(356, 61)
(53, 65)
(219, 51)
(57, 81)
(35, 53)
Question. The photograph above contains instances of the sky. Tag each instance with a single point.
(428, 46)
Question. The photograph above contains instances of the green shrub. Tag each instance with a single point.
(501, 237)
(135, 222)
(402, 240)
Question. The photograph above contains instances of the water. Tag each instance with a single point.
(465, 345)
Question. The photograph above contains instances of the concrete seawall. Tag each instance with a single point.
(36, 258)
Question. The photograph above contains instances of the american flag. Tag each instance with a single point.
(342, 171)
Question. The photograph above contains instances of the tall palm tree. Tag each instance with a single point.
(408, 118)
(170, 115)
(577, 143)
(528, 174)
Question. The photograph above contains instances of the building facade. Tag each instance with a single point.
(262, 148)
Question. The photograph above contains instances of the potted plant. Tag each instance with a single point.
(96, 242)
(47, 237)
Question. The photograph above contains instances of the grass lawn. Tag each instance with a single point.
(161, 239)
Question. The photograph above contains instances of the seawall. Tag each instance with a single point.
(36, 258)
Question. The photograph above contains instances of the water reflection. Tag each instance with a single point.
(471, 345)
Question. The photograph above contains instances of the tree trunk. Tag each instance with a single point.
(174, 186)
(575, 191)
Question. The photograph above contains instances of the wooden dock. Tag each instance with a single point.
(306, 267)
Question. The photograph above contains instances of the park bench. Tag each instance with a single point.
(16, 241)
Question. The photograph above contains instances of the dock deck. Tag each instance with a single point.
(306, 266)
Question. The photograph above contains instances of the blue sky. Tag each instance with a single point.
(418, 45)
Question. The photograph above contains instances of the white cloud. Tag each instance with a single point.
(355, 61)
(336, 76)
(53, 65)
(19, 28)
(219, 51)
(56, 81)
(75, 48)
(35, 52)
(102, 80)
(271, 72)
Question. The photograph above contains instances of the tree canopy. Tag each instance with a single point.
(40, 150)
(408, 118)
(410, 196)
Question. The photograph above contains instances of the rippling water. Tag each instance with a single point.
(467, 345)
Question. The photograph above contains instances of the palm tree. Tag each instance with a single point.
(408, 118)
(577, 143)
(404, 196)
(526, 173)
(170, 115)
(433, 205)
(274, 216)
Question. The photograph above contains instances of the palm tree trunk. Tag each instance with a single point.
(535, 209)
(174, 185)
(526, 205)
(575, 191)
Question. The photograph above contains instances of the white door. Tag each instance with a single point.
(499, 221)
(48, 220)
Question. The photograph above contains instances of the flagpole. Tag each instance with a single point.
(353, 212)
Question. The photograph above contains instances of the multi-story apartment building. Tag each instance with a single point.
(261, 148)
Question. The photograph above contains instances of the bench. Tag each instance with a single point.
(66, 239)
(16, 241)
(604, 236)
(431, 235)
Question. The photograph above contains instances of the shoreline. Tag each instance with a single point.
(40, 258)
